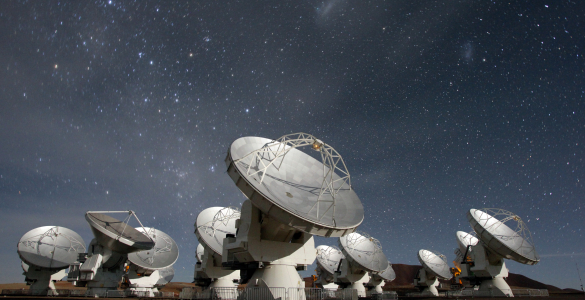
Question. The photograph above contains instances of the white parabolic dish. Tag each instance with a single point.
(465, 239)
(51, 247)
(365, 251)
(434, 263)
(213, 224)
(163, 255)
(328, 257)
(292, 184)
(199, 253)
(501, 239)
(117, 235)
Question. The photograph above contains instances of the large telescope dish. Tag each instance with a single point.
(292, 187)
(213, 224)
(466, 239)
(329, 257)
(387, 274)
(365, 251)
(513, 242)
(116, 235)
(163, 255)
(434, 263)
(50, 247)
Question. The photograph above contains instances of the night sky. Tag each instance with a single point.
(436, 107)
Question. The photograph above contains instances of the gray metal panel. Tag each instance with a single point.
(288, 193)
(364, 252)
(434, 263)
(164, 253)
(51, 247)
(328, 257)
(213, 224)
(501, 239)
(117, 235)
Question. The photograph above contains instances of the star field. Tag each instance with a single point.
(436, 107)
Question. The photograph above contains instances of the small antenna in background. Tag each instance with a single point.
(580, 281)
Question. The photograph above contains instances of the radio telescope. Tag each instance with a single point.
(501, 234)
(377, 281)
(212, 226)
(435, 267)
(291, 196)
(149, 269)
(463, 253)
(103, 268)
(363, 254)
(200, 277)
(328, 259)
(44, 252)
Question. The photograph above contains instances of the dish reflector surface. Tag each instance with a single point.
(388, 274)
(465, 239)
(365, 251)
(51, 247)
(117, 235)
(328, 257)
(515, 244)
(435, 263)
(213, 224)
(291, 188)
(199, 253)
(164, 253)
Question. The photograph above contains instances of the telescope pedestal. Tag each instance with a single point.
(42, 280)
(274, 250)
(429, 282)
(102, 270)
(278, 273)
(491, 270)
(376, 283)
(145, 283)
(497, 286)
(211, 269)
(352, 278)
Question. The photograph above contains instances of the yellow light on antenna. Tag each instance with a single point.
(317, 144)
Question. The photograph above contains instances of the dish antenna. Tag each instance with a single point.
(363, 254)
(212, 226)
(328, 259)
(435, 267)
(199, 253)
(200, 277)
(146, 269)
(501, 235)
(103, 268)
(377, 281)
(291, 196)
(463, 254)
(45, 251)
